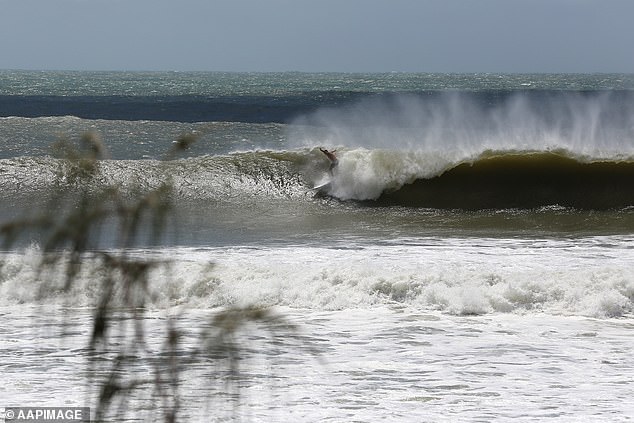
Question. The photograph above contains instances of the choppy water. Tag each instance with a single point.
(394, 363)
(471, 259)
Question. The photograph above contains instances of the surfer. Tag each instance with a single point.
(331, 156)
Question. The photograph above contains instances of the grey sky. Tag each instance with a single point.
(319, 35)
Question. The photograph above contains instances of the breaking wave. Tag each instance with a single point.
(490, 180)
(591, 277)
(480, 150)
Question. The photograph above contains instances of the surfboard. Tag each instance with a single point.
(323, 186)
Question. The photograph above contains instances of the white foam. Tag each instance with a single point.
(456, 276)
(365, 174)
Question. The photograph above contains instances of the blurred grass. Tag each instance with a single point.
(79, 213)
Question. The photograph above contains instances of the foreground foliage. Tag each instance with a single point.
(79, 213)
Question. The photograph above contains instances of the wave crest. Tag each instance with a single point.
(490, 180)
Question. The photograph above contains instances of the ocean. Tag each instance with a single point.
(470, 258)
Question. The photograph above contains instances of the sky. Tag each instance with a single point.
(319, 35)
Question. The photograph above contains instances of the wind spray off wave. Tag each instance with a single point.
(391, 140)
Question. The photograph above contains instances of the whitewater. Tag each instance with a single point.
(471, 259)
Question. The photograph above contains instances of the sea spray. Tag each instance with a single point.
(462, 124)
(391, 140)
